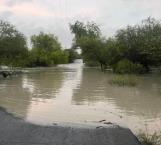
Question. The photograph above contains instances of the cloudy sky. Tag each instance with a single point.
(54, 16)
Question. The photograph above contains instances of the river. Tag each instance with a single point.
(73, 93)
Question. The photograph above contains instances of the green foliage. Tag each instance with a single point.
(112, 54)
(44, 41)
(134, 49)
(80, 30)
(146, 139)
(59, 57)
(46, 51)
(139, 45)
(92, 63)
(124, 80)
(88, 39)
(72, 55)
(12, 45)
(93, 50)
(125, 66)
(40, 57)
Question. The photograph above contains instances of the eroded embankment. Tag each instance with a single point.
(15, 131)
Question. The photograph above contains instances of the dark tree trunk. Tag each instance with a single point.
(147, 68)
(103, 66)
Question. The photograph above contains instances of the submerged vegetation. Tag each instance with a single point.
(124, 80)
(146, 139)
(134, 49)
(46, 49)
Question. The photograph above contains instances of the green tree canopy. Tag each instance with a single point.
(81, 30)
(141, 43)
(48, 42)
(12, 44)
(88, 39)
(73, 54)
(46, 50)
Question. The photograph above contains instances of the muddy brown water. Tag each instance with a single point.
(73, 93)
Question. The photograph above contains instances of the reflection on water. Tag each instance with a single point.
(73, 93)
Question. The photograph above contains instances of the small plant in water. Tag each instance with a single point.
(146, 139)
(124, 80)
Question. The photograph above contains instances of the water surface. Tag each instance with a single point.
(73, 93)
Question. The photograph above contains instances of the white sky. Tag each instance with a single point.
(54, 16)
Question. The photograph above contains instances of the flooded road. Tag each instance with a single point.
(73, 93)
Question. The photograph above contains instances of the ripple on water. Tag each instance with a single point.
(72, 93)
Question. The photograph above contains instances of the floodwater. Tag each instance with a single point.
(73, 93)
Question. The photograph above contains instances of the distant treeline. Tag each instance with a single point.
(134, 49)
(46, 49)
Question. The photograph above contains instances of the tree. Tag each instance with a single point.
(141, 43)
(46, 50)
(73, 54)
(13, 47)
(48, 42)
(81, 30)
(60, 57)
(112, 53)
(88, 39)
(94, 50)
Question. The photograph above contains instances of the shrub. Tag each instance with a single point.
(126, 66)
(146, 139)
(40, 57)
(72, 55)
(92, 63)
(124, 80)
(59, 57)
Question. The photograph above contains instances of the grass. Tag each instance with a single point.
(124, 80)
(146, 139)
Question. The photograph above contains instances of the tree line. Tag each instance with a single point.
(46, 49)
(134, 49)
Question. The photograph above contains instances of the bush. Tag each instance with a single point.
(40, 57)
(72, 55)
(92, 63)
(124, 80)
(20, 60)
(59, 57)
(126, 66)
(146, 139)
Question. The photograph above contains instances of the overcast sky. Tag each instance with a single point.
(54, 16)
